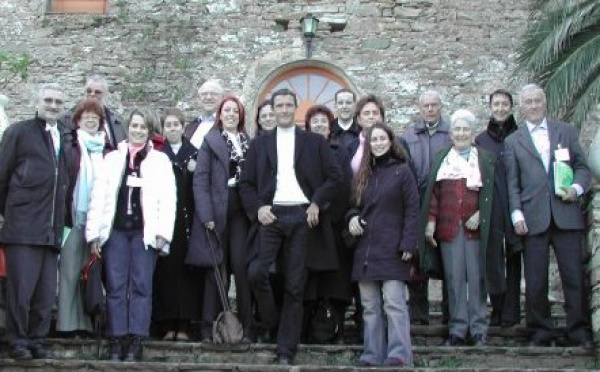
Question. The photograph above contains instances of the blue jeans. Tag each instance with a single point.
(129, 269)
(397, 344)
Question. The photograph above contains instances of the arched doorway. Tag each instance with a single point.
(313, 85)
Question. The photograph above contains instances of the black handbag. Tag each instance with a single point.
(323, 325)
(92, 286)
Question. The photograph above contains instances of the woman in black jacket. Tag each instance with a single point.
(177, 286)
(331, 288)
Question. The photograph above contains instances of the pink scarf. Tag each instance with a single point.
(133, 151)
(357, 158)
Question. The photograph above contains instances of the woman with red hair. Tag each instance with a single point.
(88, 120)
(219, 212)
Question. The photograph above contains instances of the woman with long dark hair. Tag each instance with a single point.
(220, 214)
(385, 208)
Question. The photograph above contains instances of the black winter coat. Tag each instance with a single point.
(318, 175)
(33, 184)
(390, 208)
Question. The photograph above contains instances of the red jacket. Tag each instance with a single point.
(453, 203)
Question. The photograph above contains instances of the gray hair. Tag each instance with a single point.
(430, 93)
(47, 86)
(98, 79)
(464, 115)
(214, 81)
(529, 88)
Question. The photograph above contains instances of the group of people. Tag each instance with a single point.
(332, 209)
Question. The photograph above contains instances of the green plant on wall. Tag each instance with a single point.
(13, 68)
(134, 94)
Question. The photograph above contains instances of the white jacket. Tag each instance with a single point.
(158, 197)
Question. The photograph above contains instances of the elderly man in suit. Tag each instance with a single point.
(289, 179)
(210, 95)
(34, 157)
(544, 218)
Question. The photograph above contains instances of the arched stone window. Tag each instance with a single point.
(313, 85)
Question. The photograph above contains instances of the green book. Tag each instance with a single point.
(66, 232)
(563, 177)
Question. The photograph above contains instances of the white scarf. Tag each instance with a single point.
(454, 167)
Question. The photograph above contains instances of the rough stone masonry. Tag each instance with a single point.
(156, 52)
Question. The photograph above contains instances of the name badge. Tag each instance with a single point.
(562, 155)
(133, 181)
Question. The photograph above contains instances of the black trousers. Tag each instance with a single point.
(30, 292)
(290, 232)
(568, 250)
(511, 310)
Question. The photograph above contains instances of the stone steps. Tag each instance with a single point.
(84, 365)
(80, 355)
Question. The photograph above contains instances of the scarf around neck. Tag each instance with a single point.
(454, 167)
(91, 146)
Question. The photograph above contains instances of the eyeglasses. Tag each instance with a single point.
(94, 91)
(212, 94)
(57, 101)
(90, 117)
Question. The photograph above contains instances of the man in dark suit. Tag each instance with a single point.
(345, 128)
(290, 177)
(210, 95)
(33, 180)
(96, 86)
(544, 218)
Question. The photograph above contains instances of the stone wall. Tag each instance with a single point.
(157, 52)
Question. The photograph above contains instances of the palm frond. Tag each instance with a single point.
(561, 51)
(548, 36)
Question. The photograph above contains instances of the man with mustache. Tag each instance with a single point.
(33, 184)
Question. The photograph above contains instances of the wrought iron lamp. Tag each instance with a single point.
(309, 30)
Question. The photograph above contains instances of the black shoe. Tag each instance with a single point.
(479, 340)
(538, 343)
(20, 353)
(586, 344)
(284, 360)
(115, 349)
(454, 341)
(508, 324)
(134, 352)
(40, 351)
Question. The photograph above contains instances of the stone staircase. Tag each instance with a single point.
(506, 351)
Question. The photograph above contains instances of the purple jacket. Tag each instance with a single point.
(390, 207)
